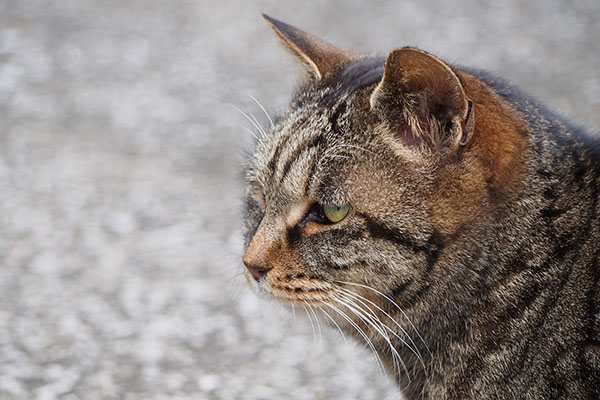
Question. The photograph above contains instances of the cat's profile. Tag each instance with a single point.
(438, 214)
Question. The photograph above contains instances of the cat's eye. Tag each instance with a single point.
(325, 214)
(335, 213)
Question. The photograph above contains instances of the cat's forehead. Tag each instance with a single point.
(292, 143)
(326, 123)
(295, 157)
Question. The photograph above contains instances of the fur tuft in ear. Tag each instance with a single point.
(319, 58)
(423, 101)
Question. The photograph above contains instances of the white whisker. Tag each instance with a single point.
(359, 312)
(373, 320)
(254, 122)
(354, 147)
(262, 130)
(250, 132)
(362, 301)
(317, 320)
(414, 349)
(395, 305)
(361, 333)
(311, 323)
(341, 333)
(262, 108)
(337, 147)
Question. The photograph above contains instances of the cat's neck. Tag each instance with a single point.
(529, 261)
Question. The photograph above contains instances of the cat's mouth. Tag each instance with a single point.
(296, 288)
(299, 293)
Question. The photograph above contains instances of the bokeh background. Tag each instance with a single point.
(121, 156)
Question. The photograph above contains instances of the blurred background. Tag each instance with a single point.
(121, 156)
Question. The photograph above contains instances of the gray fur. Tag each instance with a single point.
(504, 305)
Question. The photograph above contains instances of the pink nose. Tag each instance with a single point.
(257, 272)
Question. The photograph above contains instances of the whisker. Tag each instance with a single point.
(341, 332)
(363, 299)
(373, 320)
(317, 320)
(361, 333)
(395, 305)
(254, 122)
(262, 130)
(311, 322)
(335, 147)
(359, 312)
(414, 349)
(262, 108)
(294, 314)
(354, 147)
(249, 131)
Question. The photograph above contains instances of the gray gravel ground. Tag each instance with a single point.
(120, 160)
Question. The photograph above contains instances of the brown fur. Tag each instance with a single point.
(501, 135)
(468, 260)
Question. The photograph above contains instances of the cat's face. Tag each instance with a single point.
(324, 207)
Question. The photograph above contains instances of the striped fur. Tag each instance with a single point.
(468, 263)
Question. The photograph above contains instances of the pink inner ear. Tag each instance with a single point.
(407, 137)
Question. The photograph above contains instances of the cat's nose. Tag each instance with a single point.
(256, 271)
(261, 252)
(254, 261)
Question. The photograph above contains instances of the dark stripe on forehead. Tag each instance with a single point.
(311, 172)
(273, 161)
(305, 145)
(319, 141)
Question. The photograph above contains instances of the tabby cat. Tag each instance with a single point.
(438, 214)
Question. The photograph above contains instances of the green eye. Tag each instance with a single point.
(336, 213)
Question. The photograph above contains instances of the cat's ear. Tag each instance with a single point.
(423, 101)
(319, 58)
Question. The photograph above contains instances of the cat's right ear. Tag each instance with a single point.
(423, 101)
(319, 59)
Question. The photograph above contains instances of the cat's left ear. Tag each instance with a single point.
(423, 101)
(318, 58)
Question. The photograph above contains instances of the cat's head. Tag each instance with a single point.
(367, 179)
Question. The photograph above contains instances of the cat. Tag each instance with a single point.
(436, 213)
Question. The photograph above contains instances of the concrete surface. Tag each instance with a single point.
(120, 171)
